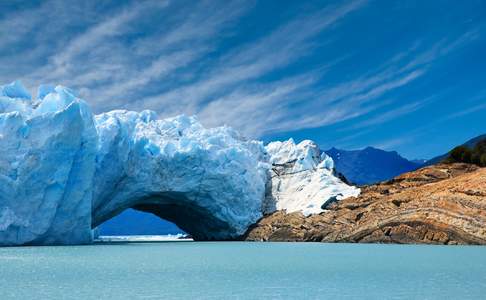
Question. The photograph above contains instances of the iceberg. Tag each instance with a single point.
(64, 171)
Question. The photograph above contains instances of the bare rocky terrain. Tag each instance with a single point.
(439, 204)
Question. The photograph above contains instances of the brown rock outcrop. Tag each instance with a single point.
(440, 204)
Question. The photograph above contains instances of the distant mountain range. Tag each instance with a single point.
(371, 165)
(470, 144)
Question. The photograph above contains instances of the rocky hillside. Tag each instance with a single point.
(440, 204)
(469, 144)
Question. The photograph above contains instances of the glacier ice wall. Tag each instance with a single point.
(63, 171)
(47, 164)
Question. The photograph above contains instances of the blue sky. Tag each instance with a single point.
(400, 75)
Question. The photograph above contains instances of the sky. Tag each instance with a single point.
(408, 76)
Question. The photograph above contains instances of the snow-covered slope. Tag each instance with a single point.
(302, 178)
(64, 171)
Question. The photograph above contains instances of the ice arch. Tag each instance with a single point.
(207, 181)
(64, 171)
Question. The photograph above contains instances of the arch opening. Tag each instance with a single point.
(197, 221)
(132, 222)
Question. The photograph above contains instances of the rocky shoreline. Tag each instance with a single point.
(439, 204)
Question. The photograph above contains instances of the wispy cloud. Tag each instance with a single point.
(188, 57)
(394, 113)
(116, 59)
(474, 105)
(249, 62)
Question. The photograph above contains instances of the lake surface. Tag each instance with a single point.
(238, 270)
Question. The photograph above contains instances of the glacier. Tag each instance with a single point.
(302, 179)
(64, 171)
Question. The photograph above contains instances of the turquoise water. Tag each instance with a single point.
(234, 270)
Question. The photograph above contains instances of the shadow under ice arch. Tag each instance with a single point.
(196, 220)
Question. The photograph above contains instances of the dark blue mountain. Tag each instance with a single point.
(370, 165)
(134, 222)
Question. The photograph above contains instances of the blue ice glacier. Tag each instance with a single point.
(64, 171)
(47, 163)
